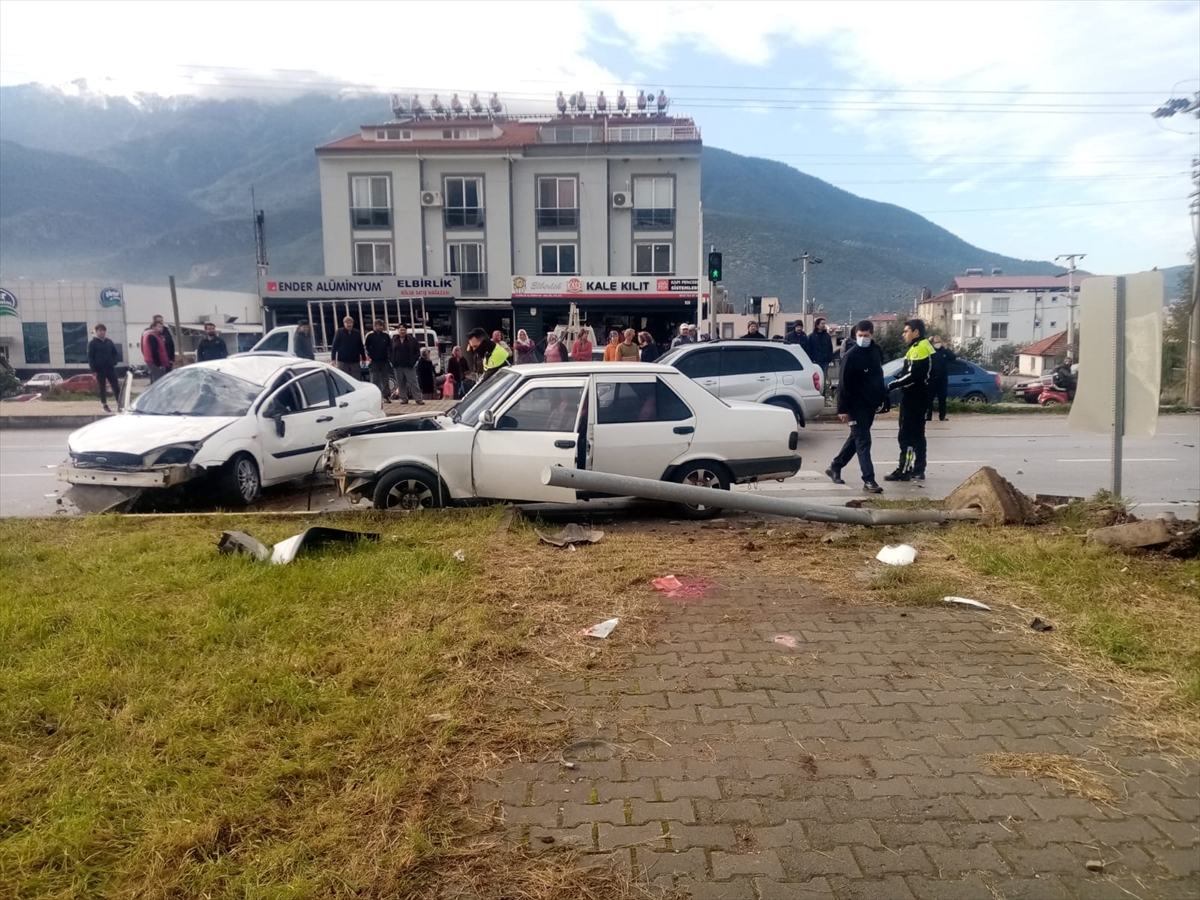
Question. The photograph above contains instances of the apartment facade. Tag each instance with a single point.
(505, 222)
(1007, 309)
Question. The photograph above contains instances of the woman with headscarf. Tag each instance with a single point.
(581, 350)
(612, 352)
(456, 367)
(526, 350)
(554, 348)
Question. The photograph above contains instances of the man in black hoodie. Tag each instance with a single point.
(378, 345)
(939, 377)
(861, 392)
(210, 346)
(820, 349)
(405, 352)
(102, 359)
(347, 350)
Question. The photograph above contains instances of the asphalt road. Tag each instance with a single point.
(1036, 452)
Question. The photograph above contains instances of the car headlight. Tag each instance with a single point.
(176, 454)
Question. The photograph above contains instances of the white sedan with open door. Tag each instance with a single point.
(238, 424)
(635, 419)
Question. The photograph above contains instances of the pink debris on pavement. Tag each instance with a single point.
(786, 639)
(685, 589)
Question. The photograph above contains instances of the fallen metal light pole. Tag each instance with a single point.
(627, 486)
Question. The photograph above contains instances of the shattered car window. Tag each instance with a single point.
(192, 391)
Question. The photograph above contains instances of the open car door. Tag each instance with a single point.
(538, 427)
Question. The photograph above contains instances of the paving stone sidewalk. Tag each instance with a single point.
(851, 766)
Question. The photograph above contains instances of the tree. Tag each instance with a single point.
(1003, 357)
(1175, 337)
(973, 350)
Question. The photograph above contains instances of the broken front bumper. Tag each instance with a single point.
(153, 477)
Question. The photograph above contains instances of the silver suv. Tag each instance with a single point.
(760, 371)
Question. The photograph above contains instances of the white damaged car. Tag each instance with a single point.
(637, 419)
(237, 424)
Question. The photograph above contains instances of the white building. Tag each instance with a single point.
(45, 326)
(504, 222)
(1006, 309)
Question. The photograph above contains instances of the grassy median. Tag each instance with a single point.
(178, 723)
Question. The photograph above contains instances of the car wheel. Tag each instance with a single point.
(784, 403)
(408, 489)
(241, 480)
(1050, 402)
(701, 474)
(975, 397)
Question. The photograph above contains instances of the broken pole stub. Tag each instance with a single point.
(994, 496)
(1131, 535)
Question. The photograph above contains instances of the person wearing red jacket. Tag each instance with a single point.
(154, 352)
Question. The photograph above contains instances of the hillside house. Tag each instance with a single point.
(1043, 356)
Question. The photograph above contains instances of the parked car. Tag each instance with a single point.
(964, 381)
(80, 384)
(242, 423)
(638, 419)
(43, 381)
(758, 371)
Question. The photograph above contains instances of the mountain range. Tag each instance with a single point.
(140, 188)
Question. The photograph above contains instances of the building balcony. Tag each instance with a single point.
(471, 282)
(653, 219)
(463, 217)
(370, 217)
(558, 218)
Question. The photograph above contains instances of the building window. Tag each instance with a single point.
(464, 203)
(558, 203)
(371, 258)
(1000, 330)
(999, 306)
(652, 259)
(466, 261)
(75, 341)
(559, 259)
(37, 343)
(654, 203)
(371, 201)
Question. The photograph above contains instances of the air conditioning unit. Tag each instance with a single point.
(622, 200)
(431, 198)
(204, 318)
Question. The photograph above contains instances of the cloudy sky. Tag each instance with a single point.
(1023, 127)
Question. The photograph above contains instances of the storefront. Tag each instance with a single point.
(644, 303)
(45, 326)
(324, 300)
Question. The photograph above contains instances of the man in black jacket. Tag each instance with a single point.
(860, 393)
(102, 359)
(347, 350)
(797, 336)
(405, 352)
(753, 334)
(939, 376)
(304, 341)
(378, 346)
(820, 349)
(210, 346)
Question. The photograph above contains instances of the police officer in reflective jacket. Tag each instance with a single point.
(913, 382)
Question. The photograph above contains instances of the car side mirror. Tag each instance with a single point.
(486, 419)
(280, 428)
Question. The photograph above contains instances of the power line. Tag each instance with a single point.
(1052, 206)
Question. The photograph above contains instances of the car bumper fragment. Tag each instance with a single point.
(154, 477)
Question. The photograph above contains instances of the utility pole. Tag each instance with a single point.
(804, 259)
(1072, 346)
(175, 310)
(1192, 391)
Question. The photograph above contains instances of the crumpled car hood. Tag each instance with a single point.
(141, 434)
(422, 421)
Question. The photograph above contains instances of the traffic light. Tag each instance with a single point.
(714, 266)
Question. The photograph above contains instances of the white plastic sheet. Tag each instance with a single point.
(964, 601)
(601, 630)
(900, 555)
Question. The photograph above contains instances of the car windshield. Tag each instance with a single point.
(484, 397)
(193, 391)
(668, 358)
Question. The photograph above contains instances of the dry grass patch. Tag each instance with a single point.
(1069, 772)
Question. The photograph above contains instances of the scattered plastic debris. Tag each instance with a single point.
(601, 630)
(900, 555)
(571, 535)
(285, 551)
(460, 556)
(690, 589)
(964, 601)
(1039, 625)
(786, 640)
(590, 744)
(240, 542)
(1094, 865)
